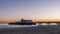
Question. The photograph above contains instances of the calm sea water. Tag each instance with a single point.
(14, 26)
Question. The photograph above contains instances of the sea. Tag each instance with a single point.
(6, 25)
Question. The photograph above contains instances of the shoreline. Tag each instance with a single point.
(32, 30)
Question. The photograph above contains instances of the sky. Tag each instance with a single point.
(36, 10)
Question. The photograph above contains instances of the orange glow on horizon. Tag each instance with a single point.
(34, 19)
(46, 19)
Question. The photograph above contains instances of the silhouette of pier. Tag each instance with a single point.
(58, 23)
(30, 22)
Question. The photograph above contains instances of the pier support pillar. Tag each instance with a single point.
(58, 23)
(48, 23)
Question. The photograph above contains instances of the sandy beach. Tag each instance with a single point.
(32, 30)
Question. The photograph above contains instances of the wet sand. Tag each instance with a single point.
(32, 30)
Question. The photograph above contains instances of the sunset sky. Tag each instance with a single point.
(37, 10)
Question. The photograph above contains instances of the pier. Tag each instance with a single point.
(49, 23)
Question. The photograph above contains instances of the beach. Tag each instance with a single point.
(41, 29)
